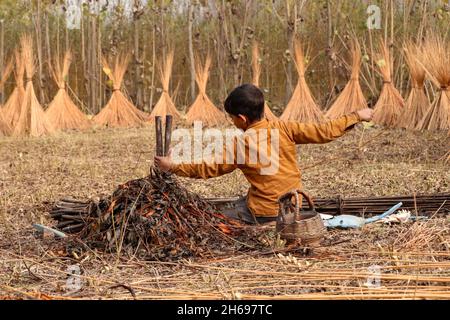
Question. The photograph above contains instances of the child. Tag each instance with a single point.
(245, 105)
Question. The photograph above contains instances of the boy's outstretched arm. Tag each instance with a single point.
(327, 131)
(202, 170)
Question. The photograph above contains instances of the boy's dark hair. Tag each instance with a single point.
(247, 100)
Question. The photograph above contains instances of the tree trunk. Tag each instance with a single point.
(221, 51)
(86, 63)
(289, 85)
(191, 50)
(330, 48)
(98, 56)
(47, 40)
(58, 50)
(230, 30)
(137, 64)
(152, 86)
(244, 28)
(163, 34)
(83, 47)
(37, 24)
(144, 77)
(92, 37)
(66, 34)
(291, 24)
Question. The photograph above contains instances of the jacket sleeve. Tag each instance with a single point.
(321, 132)
(208, 169)
(203, 170)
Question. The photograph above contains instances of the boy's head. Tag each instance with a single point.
(245, 104)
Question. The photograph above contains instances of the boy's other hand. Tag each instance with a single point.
(164, 163)
(365, 114)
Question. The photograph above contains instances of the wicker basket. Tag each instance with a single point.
(293, 224)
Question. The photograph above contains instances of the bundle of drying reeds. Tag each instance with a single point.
(11, 110)
(165, 105)
(390, 103)
(203, 109)
(302, 106)
(119, 111)
(256, 67)
(351, 98)
(435, 57)
(417, 103)
(5, 129)
(62, 111)
(32, 120)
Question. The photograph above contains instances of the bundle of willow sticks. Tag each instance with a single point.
(421, 204)
(438, 204)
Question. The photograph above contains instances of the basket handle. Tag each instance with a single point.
(281, 200)
(296, 193)
(308, 199)
(297, 204)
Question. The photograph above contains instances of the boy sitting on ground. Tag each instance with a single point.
(245, 105)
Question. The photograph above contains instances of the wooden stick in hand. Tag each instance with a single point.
(159, 141)
(168, 135)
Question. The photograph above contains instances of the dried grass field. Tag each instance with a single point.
(413, 258)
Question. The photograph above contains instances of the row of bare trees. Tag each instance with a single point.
(223, 28)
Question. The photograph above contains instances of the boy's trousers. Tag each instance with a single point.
(239, 210)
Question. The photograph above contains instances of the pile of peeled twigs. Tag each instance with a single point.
(154, 215)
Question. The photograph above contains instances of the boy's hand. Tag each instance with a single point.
(365, 114)
(164, 163)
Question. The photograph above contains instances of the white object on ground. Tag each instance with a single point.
(400, 217)
(347, 221)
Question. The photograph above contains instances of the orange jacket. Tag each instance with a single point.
(267, 188)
